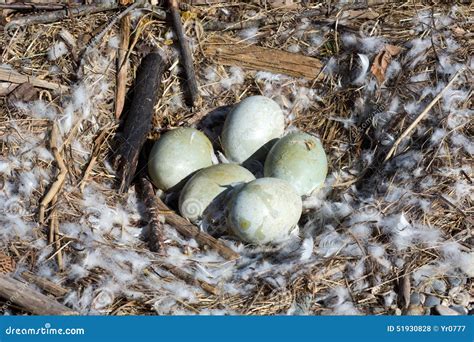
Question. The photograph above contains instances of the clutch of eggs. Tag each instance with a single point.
(258, 211)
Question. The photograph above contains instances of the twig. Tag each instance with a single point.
(190, 86)
(33, 6)
(189, 230)
(45, 284)
(189, 278)
(44, 18)
(154, 234)
(12, 76)
(122, 66)
(420, 117)
(138, 122)
(95, 154)
(56, 186)
(32, 301)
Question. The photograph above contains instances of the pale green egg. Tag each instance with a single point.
(251, 127)
(298, 158)
(207, 184)
(176, 155)
(264, 211)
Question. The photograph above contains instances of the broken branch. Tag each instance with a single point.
(190, 84)
(32, 301)
(189, 230)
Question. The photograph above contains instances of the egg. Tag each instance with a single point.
(264, 211)
(251, 126)
(176, 155)
(207, 184)
(298, 158)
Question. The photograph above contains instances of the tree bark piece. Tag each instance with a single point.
(137, 125)
(190, 86)
(45, 284)
(229, 51)
(189, 230)
(12, 76)
(154, 235)
(20, 293)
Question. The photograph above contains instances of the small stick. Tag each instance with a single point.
(95, 154)
(138, 122)
(20, 293)
(189, 278)
(56, 186)
(189, 230)
(154, 235)
(50, 17)
(12, 76)
(32, 6)
(122, 66)
(420, 117)
(45, 284)
(190, 84)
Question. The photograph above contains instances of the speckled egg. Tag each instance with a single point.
(176, 155)
(207, 184)
(250, 127)
(298, 158)
(264, 211)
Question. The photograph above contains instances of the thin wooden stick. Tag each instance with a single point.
(99, 141)
(154, 234)
(20, 293)
(58, 183)
(420, 117)
(31, 6)
(45, 284)
(189, 230)
(122, 65)
(190, 85)
(12, 76)
(189, 278)
(51, 17)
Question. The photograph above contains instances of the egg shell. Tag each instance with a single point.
(264, 211)
(250, 127)
(207, 184)
(176, 155)
(298, 158)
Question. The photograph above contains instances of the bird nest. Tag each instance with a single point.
(390, 233)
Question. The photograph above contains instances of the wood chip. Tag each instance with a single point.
(228, 51)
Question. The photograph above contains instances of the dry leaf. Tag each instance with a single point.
(382, 61)
(7, 264)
